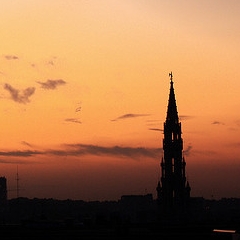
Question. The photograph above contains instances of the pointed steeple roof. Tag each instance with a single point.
(172, 114)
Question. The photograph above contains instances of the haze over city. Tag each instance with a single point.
(84, 93)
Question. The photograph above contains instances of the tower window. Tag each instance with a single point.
(173, 165)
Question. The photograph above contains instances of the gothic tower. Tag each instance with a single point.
(173, 191)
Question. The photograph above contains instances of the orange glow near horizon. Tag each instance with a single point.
(84, 94)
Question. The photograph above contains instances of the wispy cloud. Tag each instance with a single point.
(25, 153)
(117, 151)
(51, 84)
(20, 96)
(187, 151)
(156, 129)
(129, 115)
(78, 109)
(217, 123)
(184, 117)
(154, 125)
(26, 143)
(86, 149)
(50, 62)
(11, 57)
(74, 120)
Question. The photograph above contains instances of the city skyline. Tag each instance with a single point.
(84, 91)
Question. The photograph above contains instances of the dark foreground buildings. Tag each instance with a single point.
(3, 190)
(3, 194)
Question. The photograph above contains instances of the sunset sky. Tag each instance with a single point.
(84, 89)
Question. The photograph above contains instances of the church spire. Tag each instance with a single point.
(172, 114)
(173, 191)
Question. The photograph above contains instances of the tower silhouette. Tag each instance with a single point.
(173, 191)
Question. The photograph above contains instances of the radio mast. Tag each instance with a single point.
(17, 180)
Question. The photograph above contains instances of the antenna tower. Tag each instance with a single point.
(17, 180)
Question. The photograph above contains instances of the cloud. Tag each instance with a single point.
(74, 120)
(86, 149)
(217, 123)
(52, 84)
(130, 115)
(10, 57)
(78, 109)
(187, 151)
(184, 117)
(51, 62)
(26, 153)
(26, 143)
(154, 123)
(156, 129)
(17, 96)
(117, 151)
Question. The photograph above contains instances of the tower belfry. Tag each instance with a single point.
(173, 191)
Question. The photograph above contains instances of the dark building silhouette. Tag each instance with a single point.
(173, 191)
(3, 199)
(3, 189)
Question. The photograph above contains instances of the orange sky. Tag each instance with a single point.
(84, 90)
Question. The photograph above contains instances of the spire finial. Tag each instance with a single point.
(171, 76)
